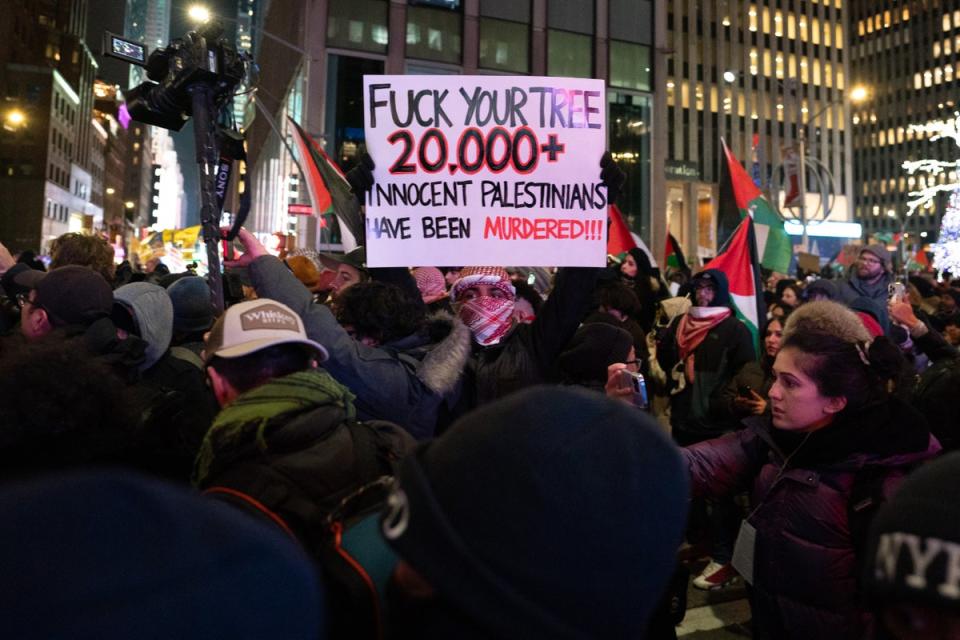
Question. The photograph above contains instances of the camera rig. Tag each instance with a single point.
(195, 76)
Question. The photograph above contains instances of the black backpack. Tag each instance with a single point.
(342, 536)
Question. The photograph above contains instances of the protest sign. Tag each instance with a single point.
(485, 171)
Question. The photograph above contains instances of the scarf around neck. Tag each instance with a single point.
(252, 413)
(694, 327)
(489, 318)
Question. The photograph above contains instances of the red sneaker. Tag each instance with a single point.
(715, 576)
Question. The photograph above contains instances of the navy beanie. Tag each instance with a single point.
(111, 555)
(192, 308)
(553, 513)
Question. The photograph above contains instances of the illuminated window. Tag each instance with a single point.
(946, 47)
(816, 31)
(936, 49)
(791, 26)
(906, 14)
(861, 29)
(766, 20)
(946, 22)
(886, 19)
(839, 39)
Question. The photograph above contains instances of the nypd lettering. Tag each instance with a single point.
(919, 563)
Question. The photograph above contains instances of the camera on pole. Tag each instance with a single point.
(194, 76)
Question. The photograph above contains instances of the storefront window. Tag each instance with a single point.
(504, 45)
(434, 34)
(569, 54)
(629, 65)
(629, 127)
(358, 24)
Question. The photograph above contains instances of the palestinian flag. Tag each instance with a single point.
(739, 196)
(329, 190)
(619, 239)
(738, 261)
(673, 255)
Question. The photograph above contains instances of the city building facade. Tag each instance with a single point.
(48, 142)
(909, 52)
(312, 69)
(758, 75)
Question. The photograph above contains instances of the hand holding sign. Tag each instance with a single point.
(486, 171)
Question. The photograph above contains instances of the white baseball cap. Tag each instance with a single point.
(250, 326)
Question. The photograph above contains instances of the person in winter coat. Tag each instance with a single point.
(179, 406)
(507, 355)
(746, 394)
(938, 386)
(702, 351)
(833, 429)
(870, 278)
(407, 383)
(640, 275)
(287, 436)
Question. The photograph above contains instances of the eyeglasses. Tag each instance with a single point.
(23, 299)
(870, 260)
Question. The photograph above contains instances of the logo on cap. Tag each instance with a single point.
(270, 317)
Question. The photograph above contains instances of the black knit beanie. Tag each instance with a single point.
(913, 551)
(593, 348)
(554, 513)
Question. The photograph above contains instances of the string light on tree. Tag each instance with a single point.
(946, 252)
(935, 130)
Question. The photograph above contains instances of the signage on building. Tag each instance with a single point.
(299, 210)
(682, 170)
(485, 170)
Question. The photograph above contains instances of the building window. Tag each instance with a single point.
(504, 45)
(434, 34)
(569, 54)
(629, 65)
(629, 129)
(358, 24)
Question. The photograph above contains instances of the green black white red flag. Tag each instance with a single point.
(738, 261)
(739, 196)
(329, 189)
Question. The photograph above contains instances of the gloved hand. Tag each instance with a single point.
(361, 177)
(612, 177)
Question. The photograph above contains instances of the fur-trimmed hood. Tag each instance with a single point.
(438, 353)
(827, 317)
(443, 364)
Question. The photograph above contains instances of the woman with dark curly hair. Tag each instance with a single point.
(834, 432)
(833, 426)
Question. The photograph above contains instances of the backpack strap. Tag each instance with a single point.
(250, 503)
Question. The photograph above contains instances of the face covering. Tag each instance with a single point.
(489, 318)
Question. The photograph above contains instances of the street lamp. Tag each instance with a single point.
(199, 13)
(14, 119)
(129, 204)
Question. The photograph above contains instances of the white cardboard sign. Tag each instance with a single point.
(485, 171)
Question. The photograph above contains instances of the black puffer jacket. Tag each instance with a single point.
(528, 355)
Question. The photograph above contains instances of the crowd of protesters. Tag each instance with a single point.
(471, 452)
